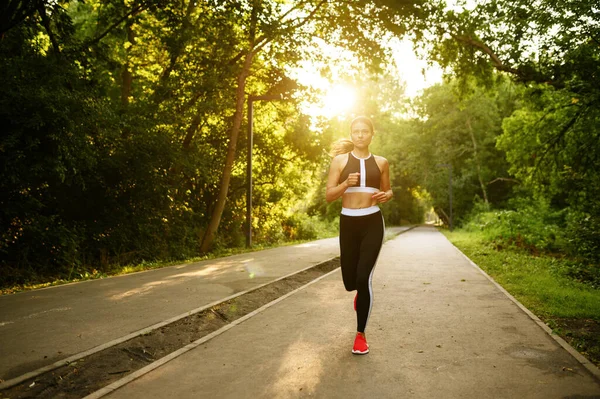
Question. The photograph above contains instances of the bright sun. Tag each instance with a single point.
(339, 99)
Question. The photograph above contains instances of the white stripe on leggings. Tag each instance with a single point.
(372, 270)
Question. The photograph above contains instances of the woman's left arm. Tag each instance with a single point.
(386, 193)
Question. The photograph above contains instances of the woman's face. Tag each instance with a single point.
(361, 135)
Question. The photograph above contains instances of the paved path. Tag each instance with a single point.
(439, 329)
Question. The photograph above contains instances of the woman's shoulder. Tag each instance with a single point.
(341, 158)
(381, 162)
(379, 159)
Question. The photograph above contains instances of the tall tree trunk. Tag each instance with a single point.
(443, 215)
(215, 218)
(483, 189)
(126, 75)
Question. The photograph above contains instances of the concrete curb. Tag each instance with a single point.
(124, 381)
(572, 351)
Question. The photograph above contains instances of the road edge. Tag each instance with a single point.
(595, 371)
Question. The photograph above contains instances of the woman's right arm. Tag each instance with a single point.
(335, 190)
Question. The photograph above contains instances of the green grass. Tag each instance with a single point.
(542, 284)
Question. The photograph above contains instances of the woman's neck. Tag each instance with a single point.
(361, 152)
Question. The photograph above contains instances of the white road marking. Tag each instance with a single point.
(31, 316)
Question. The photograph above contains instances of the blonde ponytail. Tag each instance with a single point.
(342, 146)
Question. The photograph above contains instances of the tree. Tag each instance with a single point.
(275, 28)
(550, 46)
(551, 49)
(135, 151)
(460, 131)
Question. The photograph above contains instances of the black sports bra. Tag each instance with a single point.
(370, 175)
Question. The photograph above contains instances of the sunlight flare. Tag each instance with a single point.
(339, 99)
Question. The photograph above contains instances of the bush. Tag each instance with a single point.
(300, 226)
(533, 225)
(583, 236)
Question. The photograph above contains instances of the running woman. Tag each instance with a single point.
(363, 181)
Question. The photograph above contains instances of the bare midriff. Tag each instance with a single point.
(358, 200)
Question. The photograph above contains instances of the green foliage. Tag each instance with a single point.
(48, 158)
(537, 228)
(458, 131)
(117, 121)
(532, 225)
(300, 226)
(551, 138)
(550, 134)
(552, 145)
(545, 42)
(549, 143)
(583, 235)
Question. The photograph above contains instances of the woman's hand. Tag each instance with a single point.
(353, 179)
(383, 196)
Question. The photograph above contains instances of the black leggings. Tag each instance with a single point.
(361, 238)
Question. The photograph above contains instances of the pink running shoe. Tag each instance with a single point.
(360, 345)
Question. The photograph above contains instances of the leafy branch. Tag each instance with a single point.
(523, 74)
(265, 39)
(134, 11)
(553, 141)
